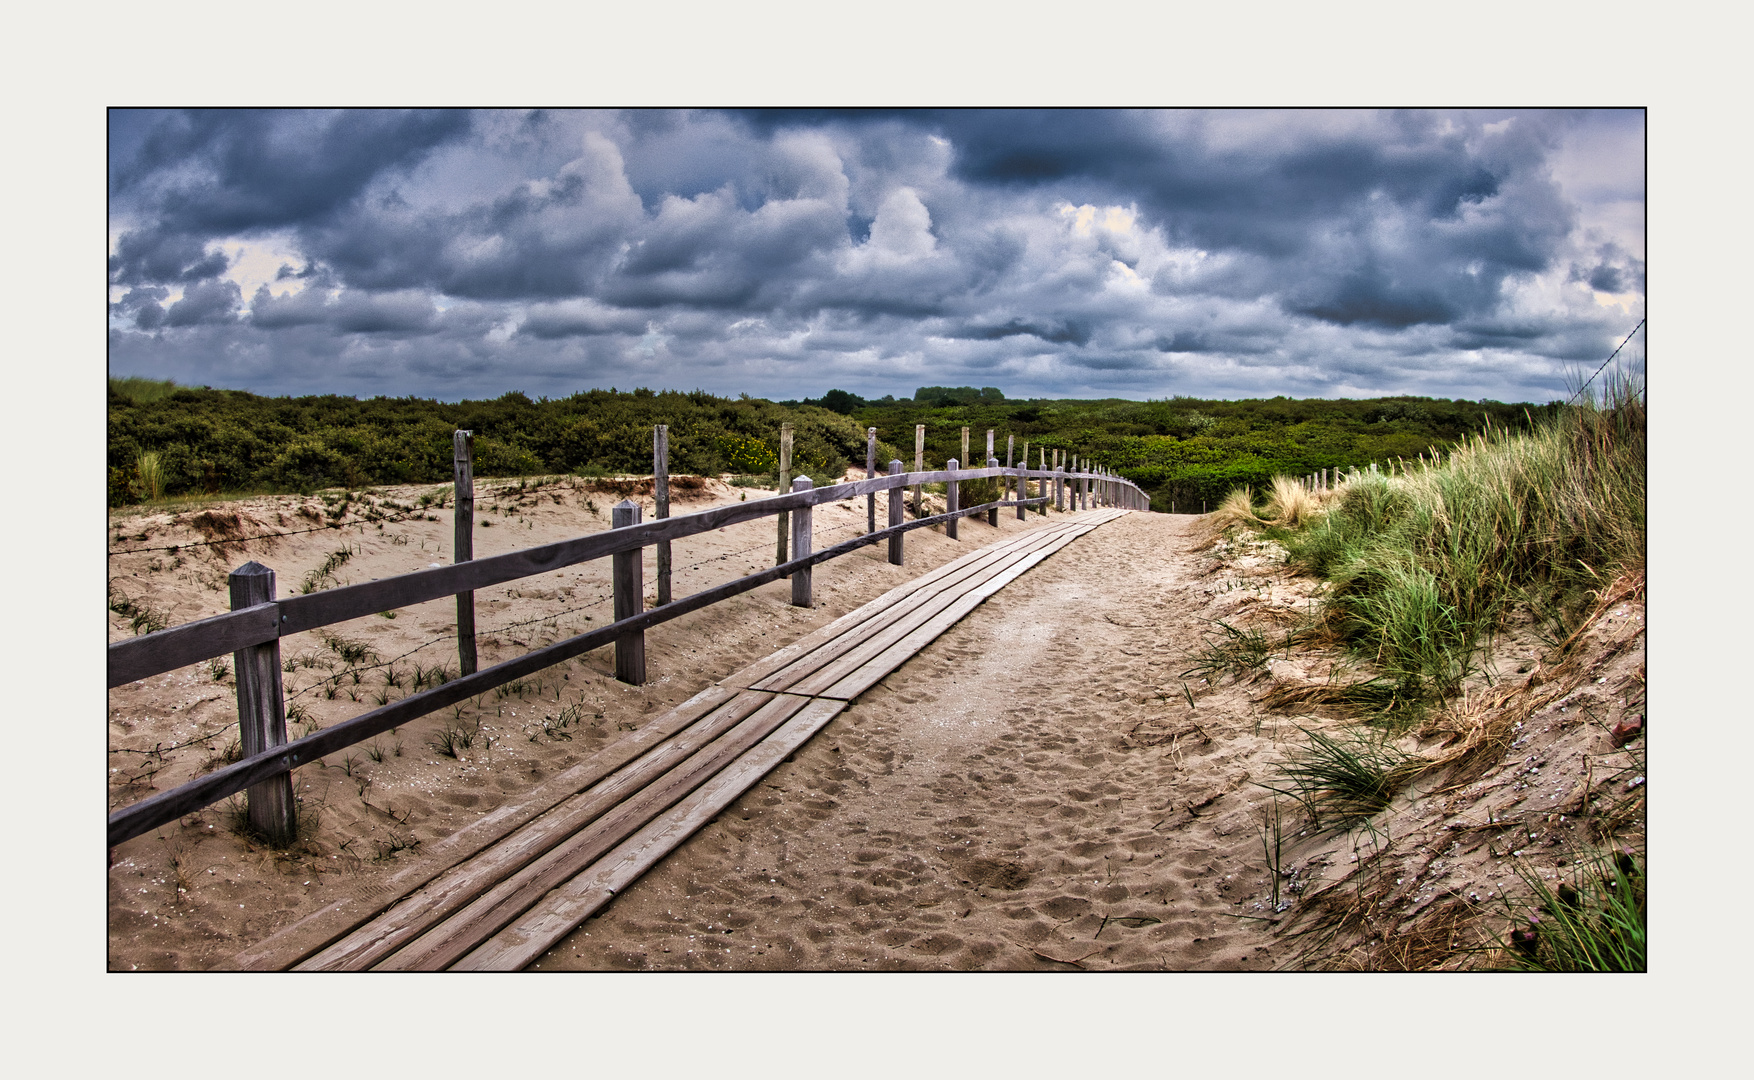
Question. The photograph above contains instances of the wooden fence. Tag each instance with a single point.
(251, 632)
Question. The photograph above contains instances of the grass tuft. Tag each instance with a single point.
(453, 739)
(1594, 922)
(1290, 504)
(1343, 780)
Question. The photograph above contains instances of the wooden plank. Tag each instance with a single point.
(314, 932)
(855, 681)
(445, 944)
(563, 910)
(860, 620)
(824, 666)
(905, 613)
(422, 909)
(191, 643)
(750, 675)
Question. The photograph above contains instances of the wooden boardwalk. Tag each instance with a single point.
(500, 892)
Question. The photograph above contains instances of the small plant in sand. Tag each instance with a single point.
(142, 618)
(324, 575)
(1236, 650)
(395, 843)
(350, 652)
(437, 675)
(300, 713)
(454, 738)
(1273, 846)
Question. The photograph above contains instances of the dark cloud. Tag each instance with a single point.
(1070, 331)
(205, 302)
(144, 306)
(1370, 296)
(146, 256)
(1134, 252)
(233, 170)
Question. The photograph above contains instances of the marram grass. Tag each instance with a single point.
(1425, 565)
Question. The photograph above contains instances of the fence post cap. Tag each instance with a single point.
(802, 483)
(252, 569)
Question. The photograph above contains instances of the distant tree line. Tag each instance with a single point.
(1181, 449)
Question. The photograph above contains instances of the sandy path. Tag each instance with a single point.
(985, 806)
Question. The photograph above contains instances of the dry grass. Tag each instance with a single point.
(1290, 504)
(1238, 508)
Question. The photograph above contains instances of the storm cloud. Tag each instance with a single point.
(783, 253)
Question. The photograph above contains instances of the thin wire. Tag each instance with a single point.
(1605, 363)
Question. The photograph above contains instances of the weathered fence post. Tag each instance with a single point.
(964, 456)
(1060, 488)
(1010, 458)
(463, 540)
(1022, 482)
(627, 569)
(262, 710)
(785, 485)
(661, 503)
(897, 495)
(1042, 507)
(993, 512)
(919, 466)
(870, 474)
(952, 495)
(801, 546)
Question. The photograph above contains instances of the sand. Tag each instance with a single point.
(1034, 790)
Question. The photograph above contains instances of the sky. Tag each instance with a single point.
(1049, 253)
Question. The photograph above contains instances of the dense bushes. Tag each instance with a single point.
(1182, 451)
(1185, 450)
(228, 440)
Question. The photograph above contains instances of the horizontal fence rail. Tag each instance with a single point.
(180, 646)
(193, 642)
